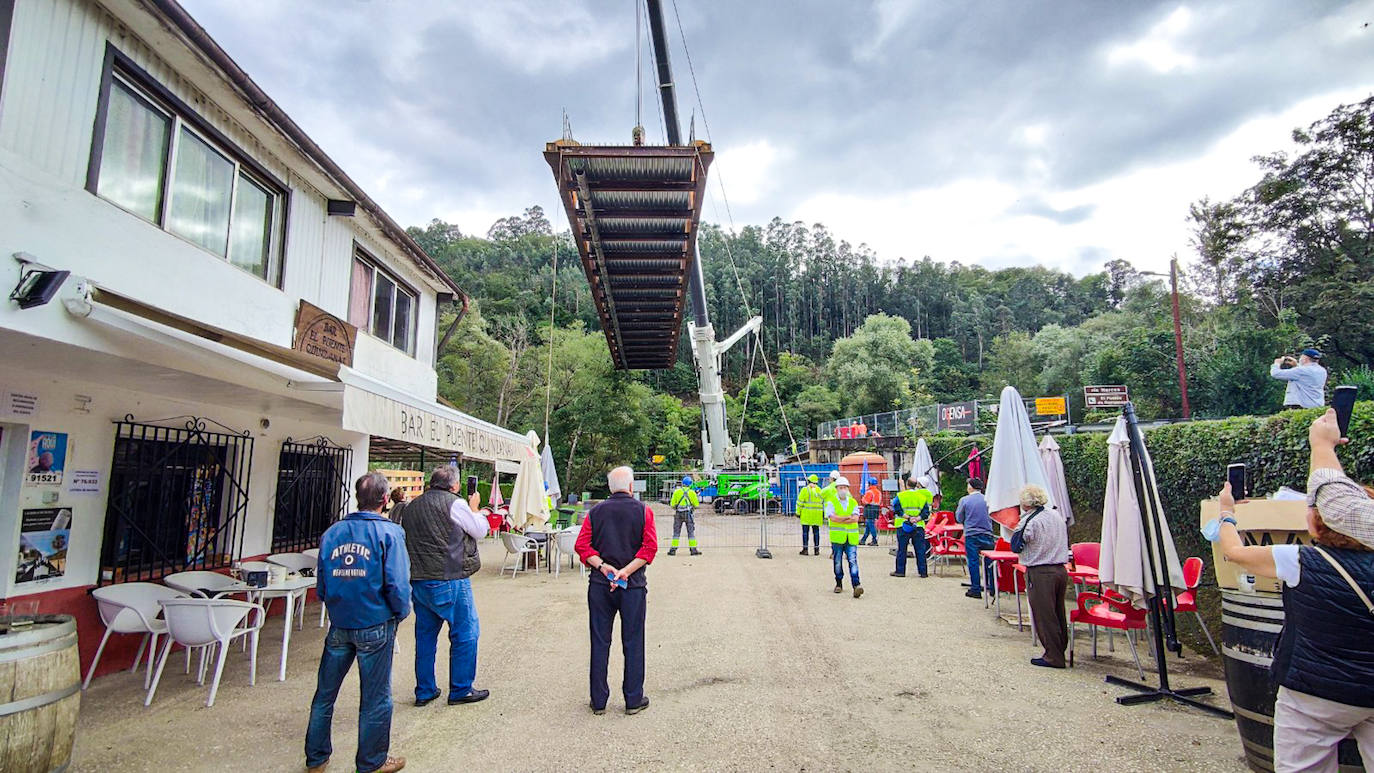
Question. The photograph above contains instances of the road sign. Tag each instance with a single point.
(1109, 396)
(1050, 406)
(956, 416)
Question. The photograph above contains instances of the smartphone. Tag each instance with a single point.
(1343, 400)
(1235, 475)
(472, 485)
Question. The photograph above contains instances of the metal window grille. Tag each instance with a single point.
(178, 498)
(312, 491)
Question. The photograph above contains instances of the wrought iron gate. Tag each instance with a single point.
(178, 498)
(312, 491)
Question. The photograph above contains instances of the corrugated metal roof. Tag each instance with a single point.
(634, 213)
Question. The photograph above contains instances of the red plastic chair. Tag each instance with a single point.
(938, 523)
(944, 548)
(1107, 610)
(1186, 601)
(1083, 569)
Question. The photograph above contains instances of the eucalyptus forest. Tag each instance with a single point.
(1284, 264)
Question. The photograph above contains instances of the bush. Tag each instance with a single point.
(1190, 461)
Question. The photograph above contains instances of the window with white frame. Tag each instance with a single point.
(380, 304)
(152, 158)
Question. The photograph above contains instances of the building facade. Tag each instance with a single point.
(210, 324)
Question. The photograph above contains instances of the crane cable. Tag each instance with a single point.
(739, 284)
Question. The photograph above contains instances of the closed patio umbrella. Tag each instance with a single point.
(550, 472)
(528, 508)
(1015, 461)
(1054, 473)
(923, 464)
(1124, 561)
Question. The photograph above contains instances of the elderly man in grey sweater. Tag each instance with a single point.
(1044, 554)
(1306, 380)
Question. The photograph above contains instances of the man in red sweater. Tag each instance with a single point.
(617, 541)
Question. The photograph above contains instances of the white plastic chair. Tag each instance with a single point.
(315, 554)
(518, 545)
(300, 563)
(566, 541)
(204, 623)
(131, 607)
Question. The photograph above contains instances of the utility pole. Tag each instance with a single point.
(1178, 338)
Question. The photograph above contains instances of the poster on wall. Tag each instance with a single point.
(47, 458)
(44, 533)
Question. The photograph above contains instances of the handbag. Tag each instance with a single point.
(1018, 537)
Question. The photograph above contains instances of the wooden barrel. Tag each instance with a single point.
(1250, 625)
(40, 692)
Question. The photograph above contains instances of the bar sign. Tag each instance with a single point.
(1108, 396)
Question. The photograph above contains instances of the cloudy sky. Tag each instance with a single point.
(996, 132)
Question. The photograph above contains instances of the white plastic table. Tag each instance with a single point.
(287, 589)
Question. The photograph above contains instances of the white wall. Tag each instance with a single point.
(52, 83)
(90, 438)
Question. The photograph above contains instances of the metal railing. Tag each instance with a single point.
(312, 491)
(971, 416)
(178, 498)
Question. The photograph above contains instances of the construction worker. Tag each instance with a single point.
(548, 500)
(684, 502)
(842, 513)
(913, 507)
(811, 511)
(828, 492)
(872, 502)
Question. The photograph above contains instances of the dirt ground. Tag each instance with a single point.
(752, 664)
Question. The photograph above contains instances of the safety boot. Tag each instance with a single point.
(672, 551)
(696, 552)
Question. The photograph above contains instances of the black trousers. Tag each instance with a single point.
(602, 607)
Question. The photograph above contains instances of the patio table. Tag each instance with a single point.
(999, 557)
(287, 589)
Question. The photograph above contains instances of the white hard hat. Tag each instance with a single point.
(923, 482)
(842, 483)
(834, 474)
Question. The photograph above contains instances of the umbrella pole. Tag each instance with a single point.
(1160, 612)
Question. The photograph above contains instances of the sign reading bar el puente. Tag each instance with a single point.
(381, 415)
(321, 334)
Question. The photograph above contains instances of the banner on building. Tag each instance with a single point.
(956, 416)
(44, 534)
(46, 459)
(432, 427)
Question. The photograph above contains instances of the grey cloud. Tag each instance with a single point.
(941, 95)
(1038, 207)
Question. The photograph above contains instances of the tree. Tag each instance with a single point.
(1011, 362)
(876, 368)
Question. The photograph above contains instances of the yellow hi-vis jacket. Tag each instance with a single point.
(811, 505)
(841, 533)
(684, 497)
(914, 501)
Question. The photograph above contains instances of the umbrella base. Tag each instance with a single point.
(764, 553)
(1149, 694)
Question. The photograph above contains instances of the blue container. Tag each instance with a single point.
(792, 478)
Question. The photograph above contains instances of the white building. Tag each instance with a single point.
(179, 401)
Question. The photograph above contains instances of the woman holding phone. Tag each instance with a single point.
(1324, 662)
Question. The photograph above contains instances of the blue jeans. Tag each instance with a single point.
(917, 540)
(815, 532)
(372, 648)
(838, 553)
(973, 544)
(438, 602)
(870, 531)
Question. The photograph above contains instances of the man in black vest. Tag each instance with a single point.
(441, 534)
(617, 541)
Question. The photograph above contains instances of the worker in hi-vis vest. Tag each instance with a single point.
(828, 492)
(548, 500)
(684, 502)
(842, 513)
(912, 507)
(811, 511)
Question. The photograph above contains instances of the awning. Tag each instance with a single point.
(374, 408)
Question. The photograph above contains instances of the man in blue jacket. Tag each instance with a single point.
(363, 578)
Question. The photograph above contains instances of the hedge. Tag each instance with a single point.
(1190, 462)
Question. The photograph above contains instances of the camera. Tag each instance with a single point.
(1288, 361)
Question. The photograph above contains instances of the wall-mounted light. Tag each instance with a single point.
(37, 283)
(342, 207)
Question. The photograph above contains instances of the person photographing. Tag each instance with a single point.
(1306, 379)
(1324, 660)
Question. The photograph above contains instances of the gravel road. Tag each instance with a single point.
(752, 664)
